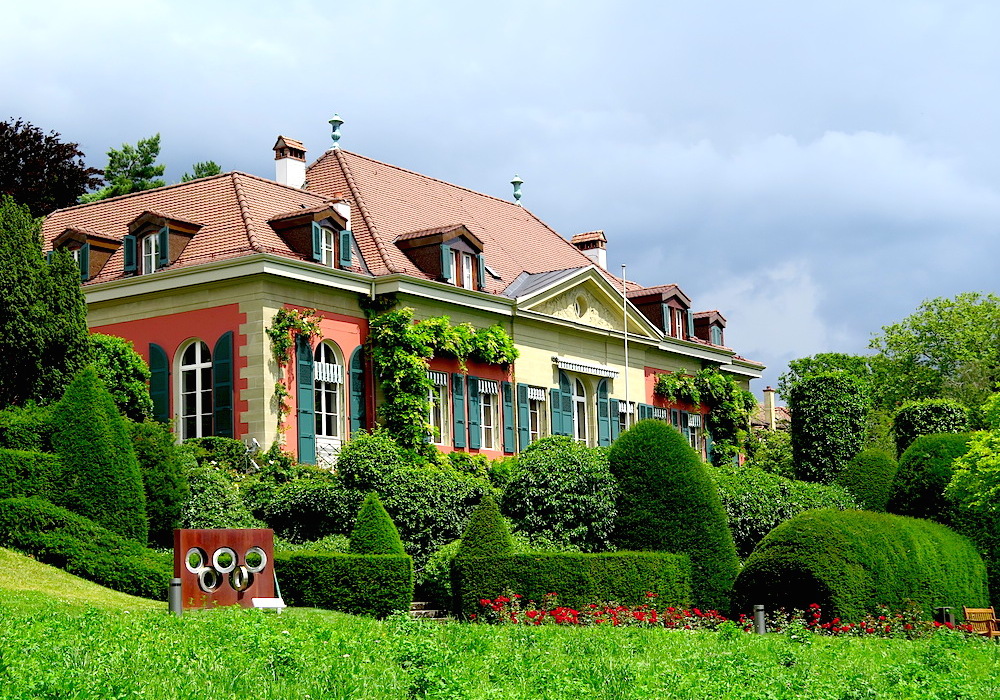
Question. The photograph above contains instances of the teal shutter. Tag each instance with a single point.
(667, 320)
(615, 418)
(708, 446)
(566, 403)
(458, 409)
(645, 411)
(84, 262)
(507, 395)
(48, 256)
(304, 400)
(690, 319)
(164, 245)
(346, 239)
(523, 417)
(555, 401)
(357, 390)
(446, 271)
(317, 242)
(603, 420)
(129, 248)
(222, 385)
(159, 383)
(675, 418)
(473, 419)
(481, 265)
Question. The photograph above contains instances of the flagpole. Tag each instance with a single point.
(628, 420)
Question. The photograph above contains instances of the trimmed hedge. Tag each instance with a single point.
(58, 537)
(578, 579)
(28, 474)
(669, 503)
(916, 418)
(26, 427)
(829, 413)
(868, 476)
(360, 584)
(925, 469)
(850, 562)
(373, 531)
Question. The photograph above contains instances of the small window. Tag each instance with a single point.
(489, 424)
(327, 247)
(467, 271)
(536, 419)
(626, 415)
(437, 416)
(455, 266)
(149, 253)
(579, 412)
(328, 392)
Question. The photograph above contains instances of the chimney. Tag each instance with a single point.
(594, 246)
(289, 162)
(769, 407)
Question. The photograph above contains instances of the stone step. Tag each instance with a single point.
(422, 611)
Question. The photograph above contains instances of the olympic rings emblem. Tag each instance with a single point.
(224, 566)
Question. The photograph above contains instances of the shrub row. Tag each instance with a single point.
(28, 474)
(851, 561)
(26, 428)
(578, 579)
(371, 584)
(55, 536)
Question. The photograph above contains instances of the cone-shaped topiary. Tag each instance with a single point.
(669, 503)
(487, 534)
(101, 479)
(868, 476)
(374, 532)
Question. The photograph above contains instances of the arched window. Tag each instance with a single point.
(196, 391)
(579, 412)
(329, 392)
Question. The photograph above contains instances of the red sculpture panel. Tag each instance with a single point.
(224, 567)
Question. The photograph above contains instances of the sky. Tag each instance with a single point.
(812, 170)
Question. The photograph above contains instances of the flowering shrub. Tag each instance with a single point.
(908, 623)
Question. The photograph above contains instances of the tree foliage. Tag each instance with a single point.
(202, 169)
(916, 418)
(125, 374)
(924, 471)
(161, 462)
(828, 424)
(858, 366)
(40, 171)
(131, 169)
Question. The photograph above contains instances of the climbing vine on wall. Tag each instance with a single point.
(730, 406)
(285, 326)
(401, 349)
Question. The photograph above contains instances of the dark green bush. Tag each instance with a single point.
(924, 471)
(101, 479)
(829, 413)
(373, 531)
(214, 502)
(850, 562)
(162, 463)
(756, 502)
(669, 503)
(29, 474)
(353, 583)
(368, 460)
(27, 427)
(578, 579)
(304, 509)
(55, 536)
(771, 451)
(225, 453)
(486, 534)
(868, 476)
(563, 489)
(916, 418)
(125, 374)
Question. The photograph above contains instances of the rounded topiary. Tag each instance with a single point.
(850, 562)
(828, 424)
(563, 490)
(868, 475)
(101, 479)
(925, 469)
(916, 418)
(487, 534)
(367, 461)
(668, 502)
(374, 532)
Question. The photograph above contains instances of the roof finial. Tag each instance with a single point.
(335, 123)
(517, 182)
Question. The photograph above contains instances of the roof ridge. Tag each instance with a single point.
(362, 208)
(241, 201)
(279, 184)
(136, 194)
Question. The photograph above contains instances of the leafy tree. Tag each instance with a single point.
(916, 418)
(828, 424)
(131, 169)
(40, 171)
(66, 345)
(125, 373)
(771, 451)
(824, 363)
(202, 169)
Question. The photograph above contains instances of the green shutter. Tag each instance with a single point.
(603, 421)
(566, 404)
(458, 409)
(615, 418)
(473, 419)
(507, 394)
(164, 245)
(346, 238)
(555, 401)
(159, 383)
(675, 418)
(317, 242)
(129, 246)
(304, 400)
(523, 417)
(481, 269)
(708, 447)
(357, 390)
(667, 320)
(690, 319)
(84, 262)
(48, 256)
(645, 411)
(222, 385)
(446, 271)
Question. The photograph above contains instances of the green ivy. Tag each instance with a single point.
(285, 325)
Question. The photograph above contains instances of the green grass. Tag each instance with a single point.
(70, 639)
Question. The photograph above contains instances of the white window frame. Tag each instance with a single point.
(149, 253)
(202, 391)
(328, 393)
(327, 246)
(626, 415)
(467, 270)
(489, 420)
(456, 264)
(580, 418)
(438, 418)
(536, 420)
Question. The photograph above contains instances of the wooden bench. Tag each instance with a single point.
(983, 620)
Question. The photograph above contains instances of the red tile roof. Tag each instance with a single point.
(589, 236)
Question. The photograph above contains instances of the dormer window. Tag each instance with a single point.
(155, 241)
(716, 335)
(451, 254)
(318, 233)
(149, 257)
(90, 249)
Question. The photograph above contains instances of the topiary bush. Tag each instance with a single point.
(162, 464)
(828, 424)
(924, 471)
(756, 502)
(27, 427)
(850, 562)
(58, 537)
(916, 418)
(563, 490)
(869, 476)
(668, 502)
(368, 460)
(29, 474)
(486, 534)
(304, 509)
(373, 531)
(101, 479)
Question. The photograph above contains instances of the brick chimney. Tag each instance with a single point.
(594, 245)
(289, 162)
